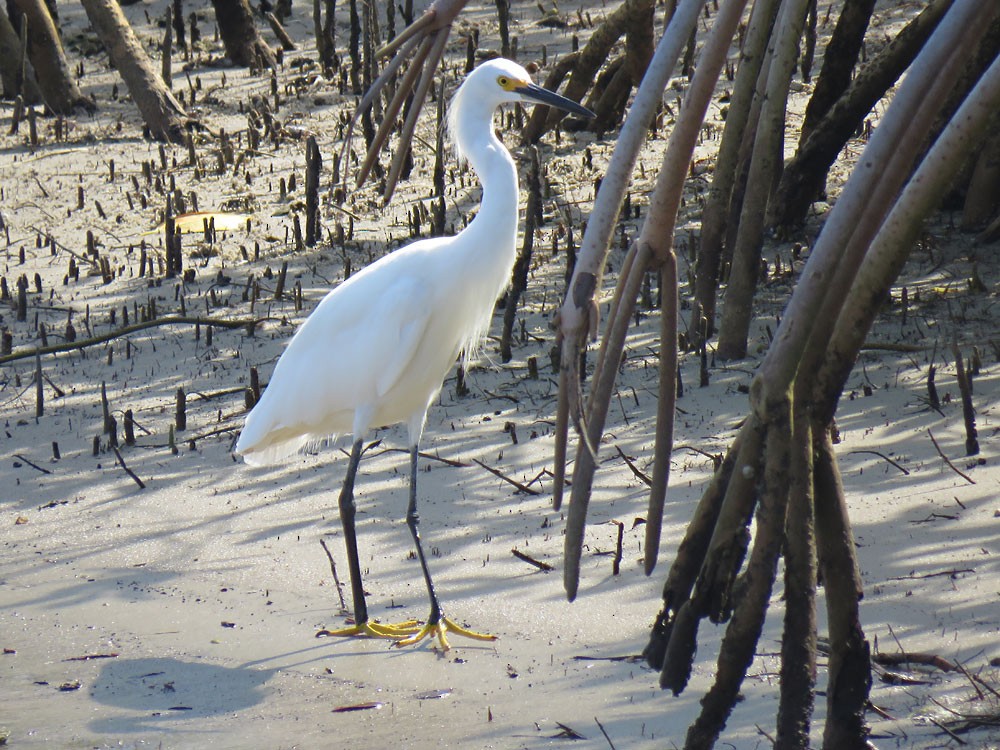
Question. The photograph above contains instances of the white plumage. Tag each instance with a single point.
(377, 348)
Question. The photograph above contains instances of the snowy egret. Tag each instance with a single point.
(376, 349)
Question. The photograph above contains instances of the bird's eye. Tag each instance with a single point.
(504, 81)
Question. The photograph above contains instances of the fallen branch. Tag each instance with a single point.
(566, 733)
(642, 477)
(889, 346)
(428, 456)
(504, 477)
(248, 323)
(884, 458)
(531, 561)
(192, 438)
(630, 658)
(336, 578)
(19, 457)
(90, 657)
(715, 458)
(977, 680)
(601, 727)
(930, 660)
(118, 455)
(880, 711)
(950, 464)
(945, 729)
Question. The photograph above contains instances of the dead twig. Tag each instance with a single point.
(640, 475)
(118, 455)
(950, 573)
(715, 458)
(952, 466)
(69, 346)
(567, 733)
(631, 658)
(33, 465)
(531, 561)
(947, 731)
(930, 660)
(880, 711)
(977, 680)
(336, 578)
(616, 565)
(601, 727)
(522, 487)
(884, 458)
(428, 456)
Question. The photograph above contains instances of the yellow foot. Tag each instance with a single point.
(438, 630)
(373, 629)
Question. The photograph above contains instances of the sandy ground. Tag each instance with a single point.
(183, 615)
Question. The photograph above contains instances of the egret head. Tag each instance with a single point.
(501, 81)
(512, 83)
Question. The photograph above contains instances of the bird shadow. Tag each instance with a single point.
(156, 692)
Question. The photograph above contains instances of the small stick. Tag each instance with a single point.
(977, 680)
(950, 464)
(951, 573)
(90, 657)
(336, 578)
(932, 660)
(947, 731)
(932, 394)
(118, 455)
(32, 465)
(39, 387)
(314, 165)
(616, 565)
(965, 388)
(568, 732)
(248, 323)
(635, 469)
(884, 458)
(279, 288)
(716, 458)
(968, 676)
(491, 470)
(429, 456)
(881, 712)
(167, 48)
(129, 424)
(171, 443)
(531, 561)
(105, 408)
(631, 658)
(601, 727)
(180, 413)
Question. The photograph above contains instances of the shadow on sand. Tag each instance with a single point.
(157, 691)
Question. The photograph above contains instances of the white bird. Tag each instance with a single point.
(376, 349)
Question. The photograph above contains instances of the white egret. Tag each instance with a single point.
(376, 349)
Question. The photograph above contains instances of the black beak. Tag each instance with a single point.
(544, 96)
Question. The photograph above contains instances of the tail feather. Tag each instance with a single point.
(267, 452)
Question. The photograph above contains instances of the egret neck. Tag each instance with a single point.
(492, 233)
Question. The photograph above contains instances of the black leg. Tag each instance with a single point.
(361, 626)
(413, 520)
(347, 512)
(437, 624)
